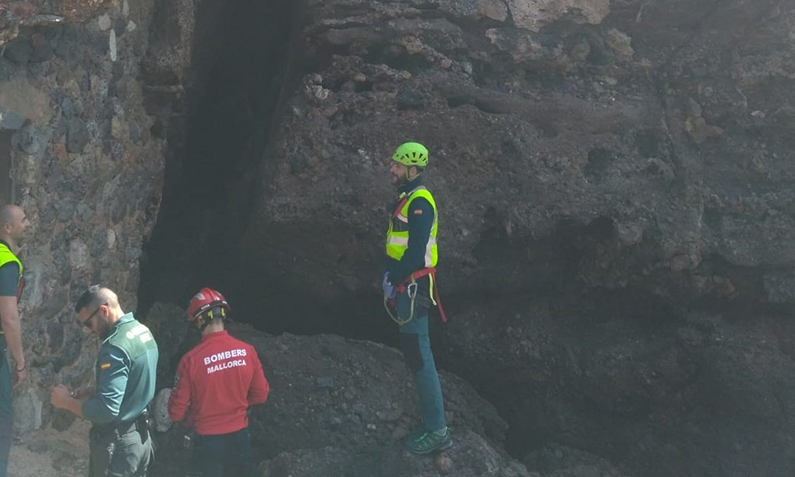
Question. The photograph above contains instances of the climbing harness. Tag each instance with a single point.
(410, 287)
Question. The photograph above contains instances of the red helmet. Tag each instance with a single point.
(207, 299)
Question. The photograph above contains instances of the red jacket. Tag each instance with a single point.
(216, 382)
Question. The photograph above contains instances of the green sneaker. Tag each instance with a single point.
(428, 441)
(416, 433)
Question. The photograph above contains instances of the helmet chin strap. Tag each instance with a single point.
(407, 178)
(204, 322)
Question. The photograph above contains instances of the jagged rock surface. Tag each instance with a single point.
(614, 184)
(614, 180)
(344, 406)
(85, 167)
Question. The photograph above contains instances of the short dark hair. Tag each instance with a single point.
(7, 213)
(96, 295)
(90, 297)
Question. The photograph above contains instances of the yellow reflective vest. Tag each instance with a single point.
(6, 256)
(397, 237)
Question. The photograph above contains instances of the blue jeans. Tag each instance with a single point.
(6, 414)
(416, 345)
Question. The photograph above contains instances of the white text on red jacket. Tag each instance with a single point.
(224, 360)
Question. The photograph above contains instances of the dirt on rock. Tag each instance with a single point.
(344, 404)
(614, 181)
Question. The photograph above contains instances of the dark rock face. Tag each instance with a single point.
(341, 407)
(68, 95)
(579, 132)
(616, 209)
(613, 177)
(21, 16)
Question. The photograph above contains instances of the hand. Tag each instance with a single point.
(60, 395)
(389, 290)
(21, 375)
(82, 393)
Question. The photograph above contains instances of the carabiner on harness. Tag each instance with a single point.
(411, 289)
(411, 292)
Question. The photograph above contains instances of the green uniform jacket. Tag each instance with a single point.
(126, 371)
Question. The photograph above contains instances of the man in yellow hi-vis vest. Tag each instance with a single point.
(12, 230)
(408, 289)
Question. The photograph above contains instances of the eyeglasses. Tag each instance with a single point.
(87, 322)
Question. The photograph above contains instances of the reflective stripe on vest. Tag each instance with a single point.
(397, 237)
(7, 256)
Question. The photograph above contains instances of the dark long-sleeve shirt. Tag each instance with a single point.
(420, 216)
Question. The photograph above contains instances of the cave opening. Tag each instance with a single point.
(243, 65)
(212, 186)
(242, 69)
(216, 137)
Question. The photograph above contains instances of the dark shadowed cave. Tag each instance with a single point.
(612, 330)
(615, 183)
(217, 136)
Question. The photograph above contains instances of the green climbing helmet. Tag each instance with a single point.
(411, 154)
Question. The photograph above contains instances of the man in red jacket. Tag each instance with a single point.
(215, 384)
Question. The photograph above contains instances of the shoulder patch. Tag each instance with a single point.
(418, 212)
(104, 366)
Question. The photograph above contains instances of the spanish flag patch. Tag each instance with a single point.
(104, 366)
(418, 212)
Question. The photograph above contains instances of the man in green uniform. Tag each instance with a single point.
(12, 229)
(126, 367)
(411, 256)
